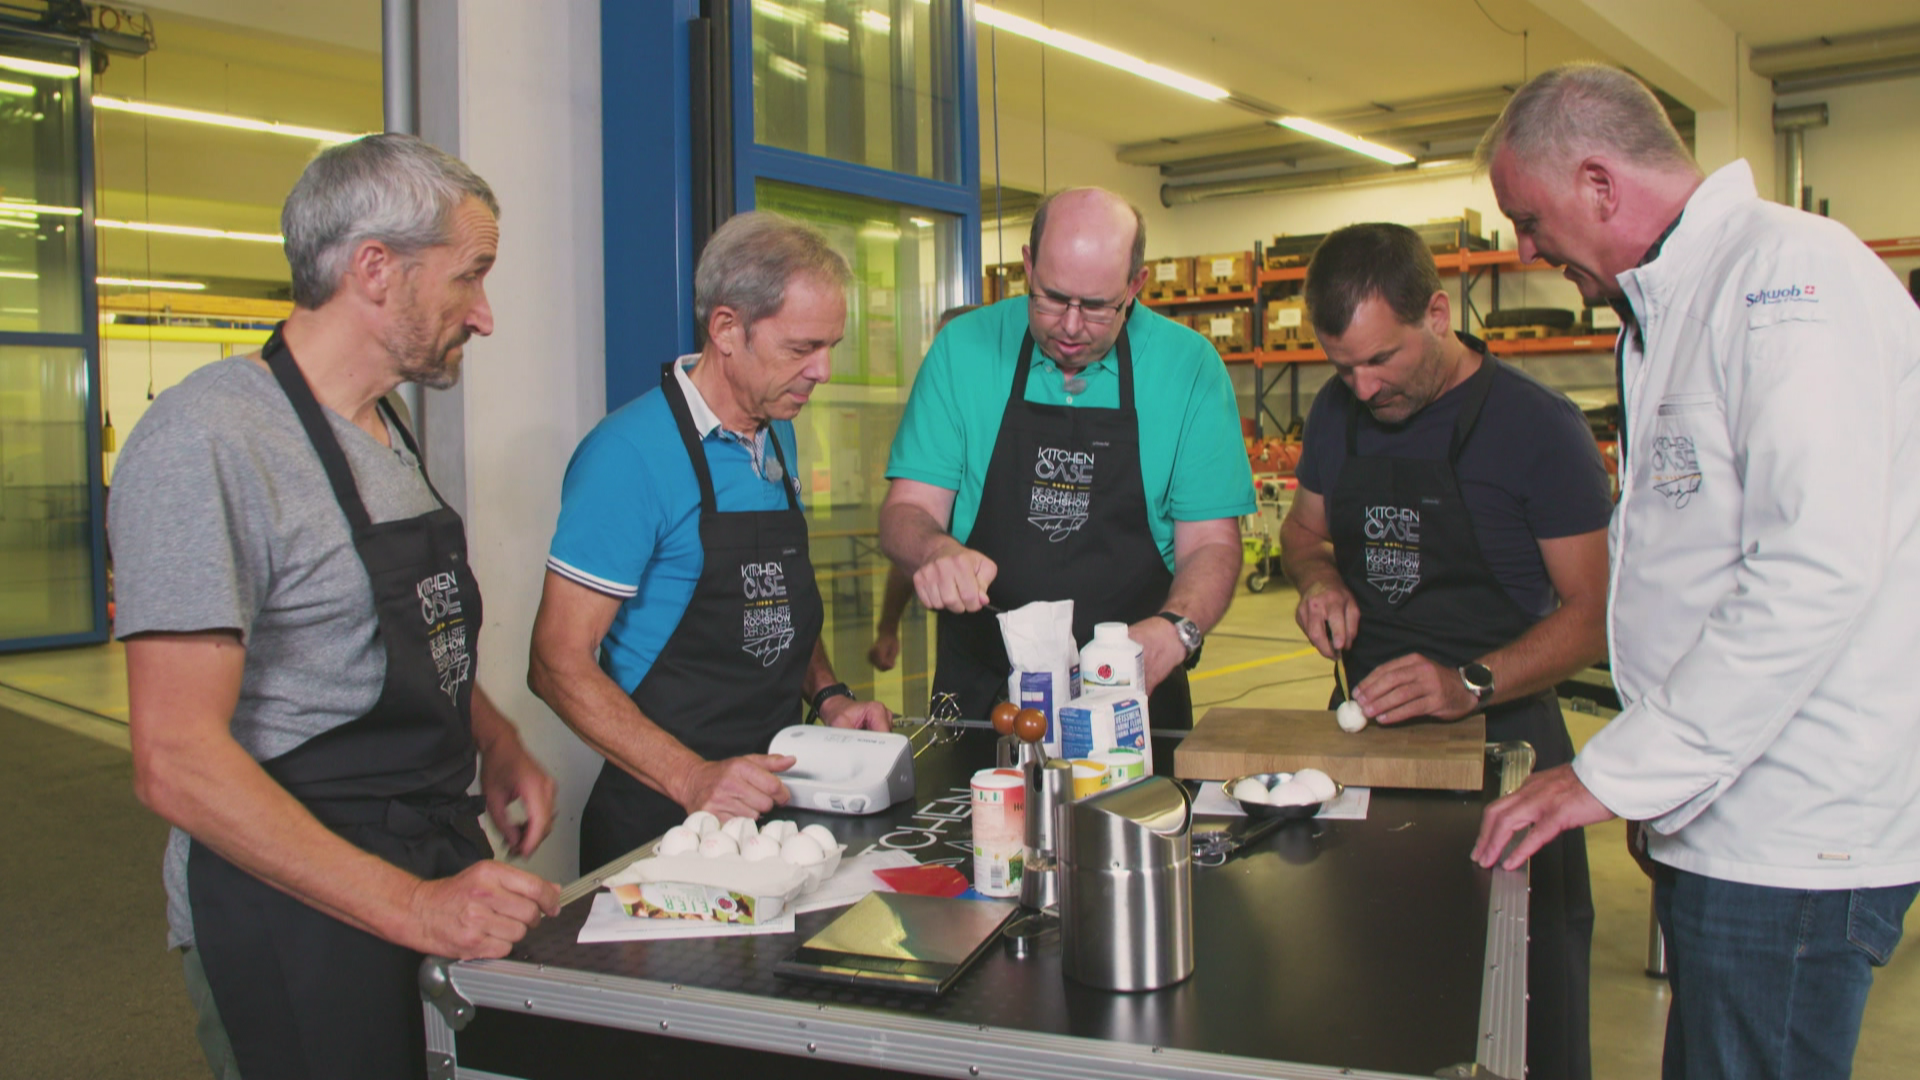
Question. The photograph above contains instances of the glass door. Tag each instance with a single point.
(52, 539)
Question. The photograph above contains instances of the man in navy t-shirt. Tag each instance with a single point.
(1449, 538)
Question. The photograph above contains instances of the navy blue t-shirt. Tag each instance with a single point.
(1530, 471)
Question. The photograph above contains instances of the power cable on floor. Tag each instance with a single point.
(1323, 676)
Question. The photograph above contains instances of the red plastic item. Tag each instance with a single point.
(924, 880)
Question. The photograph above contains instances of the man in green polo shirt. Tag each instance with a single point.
(1071, 445)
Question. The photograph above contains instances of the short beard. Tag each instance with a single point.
(422, 361)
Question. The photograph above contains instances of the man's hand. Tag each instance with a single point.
(885, 650)
(508, 774)
(956, 580)
(1328, 616)
(743, 786)
(478, 913)
(1548, 804)
(843, 712)
(1414, 686)
(1162, 648)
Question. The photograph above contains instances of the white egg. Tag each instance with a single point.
(741, 829)
(822, 836)
(1350, 717)
(1318, 782)
(760, 848)
(781, 830)
(678, 841)
(1250, 790)
(718, 846)
(703, 823)
(802, 851)
(1293, 793)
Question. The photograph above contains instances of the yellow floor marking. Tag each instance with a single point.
(1250, 664)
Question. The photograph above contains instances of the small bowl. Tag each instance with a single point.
(1263, 811)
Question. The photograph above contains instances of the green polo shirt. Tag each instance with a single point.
(1192, 460)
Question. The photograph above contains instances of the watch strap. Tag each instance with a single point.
(827, 693)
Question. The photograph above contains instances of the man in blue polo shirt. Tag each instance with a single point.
(1071, 445)
(679, 628)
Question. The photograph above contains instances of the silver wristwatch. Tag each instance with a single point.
(1190, 635)
(1479, 679)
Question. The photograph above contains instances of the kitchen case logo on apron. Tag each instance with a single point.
(447, 634)
(1393, 550)
(1062, 492)
(766, 629)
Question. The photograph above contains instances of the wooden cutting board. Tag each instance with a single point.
(1227, 743)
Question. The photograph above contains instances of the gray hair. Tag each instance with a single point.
(1136, 260)
(749, 261)
(395, 189)
(1572, 110)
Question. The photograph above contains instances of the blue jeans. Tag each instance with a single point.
(1770, 984)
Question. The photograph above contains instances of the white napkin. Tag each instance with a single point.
(853, 880)
(608, 922)
(1349, 805)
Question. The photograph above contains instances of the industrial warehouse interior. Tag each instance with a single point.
(201, 114)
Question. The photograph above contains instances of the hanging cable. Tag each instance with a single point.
(1044, 186)
(999, 193)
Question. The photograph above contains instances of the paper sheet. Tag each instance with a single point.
(607, 922)
(1349, 805)
(853, 880)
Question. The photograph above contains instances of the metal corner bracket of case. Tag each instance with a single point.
(1503, 987)
(437, 989)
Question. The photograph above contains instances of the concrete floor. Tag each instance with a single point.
(1256, 657)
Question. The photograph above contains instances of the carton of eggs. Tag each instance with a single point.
(814, 849)
(703, 823)
(718, 845)
(760, 848)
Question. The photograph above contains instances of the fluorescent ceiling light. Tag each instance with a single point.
(876, 21)
(242, 123)
(1340, 138)
(9, 207)
(779, 12)
(19, 275)
(921, 222)
(189, 230)
(1079, 46)
(17, 89)
(38, 67)
(143, 283)
(780, 65)
(834, 32)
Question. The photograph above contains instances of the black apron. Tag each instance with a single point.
(731, 674)
(1063, 514)
(1406, 548)
(301, 993)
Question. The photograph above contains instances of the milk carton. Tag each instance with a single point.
(1096, 723)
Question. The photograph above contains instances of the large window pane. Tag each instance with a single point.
(46, 527)
(866, 81)
(40, 267)
(906, 271)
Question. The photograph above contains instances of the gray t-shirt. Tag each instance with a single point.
(222, 518)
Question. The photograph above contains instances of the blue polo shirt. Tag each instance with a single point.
(1193, 460)
(630, 518)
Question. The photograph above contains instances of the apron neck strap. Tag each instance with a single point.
(683, 419)
(1025, 364)
(320, 433)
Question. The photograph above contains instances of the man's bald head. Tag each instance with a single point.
(1089, 223)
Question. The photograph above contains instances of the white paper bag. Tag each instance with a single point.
(1046, 661)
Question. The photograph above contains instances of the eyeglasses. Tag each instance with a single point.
(1095, 312)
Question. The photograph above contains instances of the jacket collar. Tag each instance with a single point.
(1672, 260)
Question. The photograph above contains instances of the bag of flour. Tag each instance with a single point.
(1046, 661)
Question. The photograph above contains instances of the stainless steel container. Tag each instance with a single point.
(1126, 887)
(1049, 790)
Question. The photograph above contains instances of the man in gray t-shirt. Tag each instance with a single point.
(300, 621)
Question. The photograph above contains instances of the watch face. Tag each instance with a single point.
(1189, 634)
(1479, 676)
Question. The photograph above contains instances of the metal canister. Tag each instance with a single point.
(1049, 787)
(1126, 886)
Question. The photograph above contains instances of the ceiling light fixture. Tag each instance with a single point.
(1079, 46)
(190, 230)
(877, 21)
(8, 207)
(17, 89)
(241, 123)
(38, 67)
(143, 283)
(835, 32)
(1340, 138)
(921, 222)
(18, 275)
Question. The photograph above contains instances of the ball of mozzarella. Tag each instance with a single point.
(802, 851)
(678, 841)
(1350, 717)
(822, 836)
(760, 848)
(1317, 782)
(741, 829)
(703, 823)
(718, 846)
(1250, 790)
(1293, 793)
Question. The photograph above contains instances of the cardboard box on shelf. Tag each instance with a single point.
(1230, 271)
(1287, 251)
(1230, 329)
(1287, 325)
(1170, 277)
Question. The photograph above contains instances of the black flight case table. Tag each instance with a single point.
(1370, 948)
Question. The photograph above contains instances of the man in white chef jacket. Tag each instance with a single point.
(1766, 575)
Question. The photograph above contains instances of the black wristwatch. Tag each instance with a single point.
(821, 697)
(1190, 636)
(1479, 679)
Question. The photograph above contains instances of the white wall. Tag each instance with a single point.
(530, 124)
(1071, 161)
(134, 372)
(1867, 160)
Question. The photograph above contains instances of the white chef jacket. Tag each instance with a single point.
(1764, 614)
